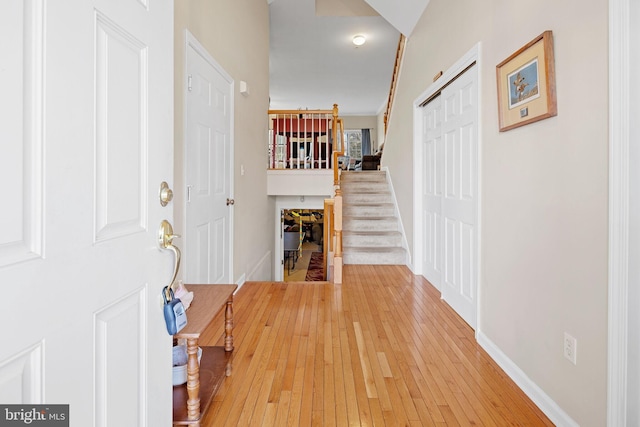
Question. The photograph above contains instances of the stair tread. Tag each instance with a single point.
(365, 190)
(368, 204)
(371, 232)
(368, 217)
(398, 249)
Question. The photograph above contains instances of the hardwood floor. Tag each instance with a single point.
(381, 349)
(299, 271)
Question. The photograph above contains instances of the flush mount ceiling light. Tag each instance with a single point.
(359, 40)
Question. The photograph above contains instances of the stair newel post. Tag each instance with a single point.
(337, 260)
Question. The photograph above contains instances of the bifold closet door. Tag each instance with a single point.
(450, 198)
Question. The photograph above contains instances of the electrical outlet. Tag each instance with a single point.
(570, 348)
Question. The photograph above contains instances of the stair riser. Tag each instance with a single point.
(372, 240)
(366, 198)
(368, 187)
(352, 179)
(373, 210)
(369, 225)
(363, 175)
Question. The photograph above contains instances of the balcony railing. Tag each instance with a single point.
(302, 139)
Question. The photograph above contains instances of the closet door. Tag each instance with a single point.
(450, 202)
(432, 190)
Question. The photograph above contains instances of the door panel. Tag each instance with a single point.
(120, 142)
(21, 110)
(432, 190)
(120, 335)
(208, 151)
(459, 206)
(21, 377)
(80, 262)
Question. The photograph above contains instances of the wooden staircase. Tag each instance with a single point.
(371, 229)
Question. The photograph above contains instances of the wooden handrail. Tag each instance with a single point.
(394, 80)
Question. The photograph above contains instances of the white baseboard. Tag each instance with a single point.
(531, 389)
(241, 281)
(405, 243)
(262, 270)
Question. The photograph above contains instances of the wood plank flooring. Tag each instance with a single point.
(381, 349)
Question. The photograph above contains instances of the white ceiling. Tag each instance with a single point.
(314, 64)
(402, 14)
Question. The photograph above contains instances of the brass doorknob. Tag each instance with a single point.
(165, 240)
(165, 235)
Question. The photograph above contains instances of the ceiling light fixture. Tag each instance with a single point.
(359, 40)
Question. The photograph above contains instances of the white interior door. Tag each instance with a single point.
(450, 187)
(87, 120)
(208, 170)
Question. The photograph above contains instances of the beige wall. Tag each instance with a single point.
(236, 34)
(544, 187)
(360, 122)
(364, 122)
(380, 130)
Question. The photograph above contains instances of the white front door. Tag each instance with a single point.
(450, 201)
(208, 171)
(87, 124)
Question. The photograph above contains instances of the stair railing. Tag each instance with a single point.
(299, 139)
(394, 81)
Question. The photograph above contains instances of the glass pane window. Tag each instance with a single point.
(354, 143)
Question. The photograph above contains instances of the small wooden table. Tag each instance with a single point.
(191, 400)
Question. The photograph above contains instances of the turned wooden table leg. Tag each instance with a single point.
(228, 325)
(193, 380)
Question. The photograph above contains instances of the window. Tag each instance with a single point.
(353, 140)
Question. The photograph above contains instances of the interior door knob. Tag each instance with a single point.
(165, 241)
(165, 235)
(230, 202)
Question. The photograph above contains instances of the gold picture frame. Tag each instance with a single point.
(527, 84)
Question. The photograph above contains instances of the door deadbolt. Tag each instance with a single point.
(166, 194)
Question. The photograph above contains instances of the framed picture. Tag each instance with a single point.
(527, 84)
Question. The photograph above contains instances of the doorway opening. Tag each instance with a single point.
(303, 245)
